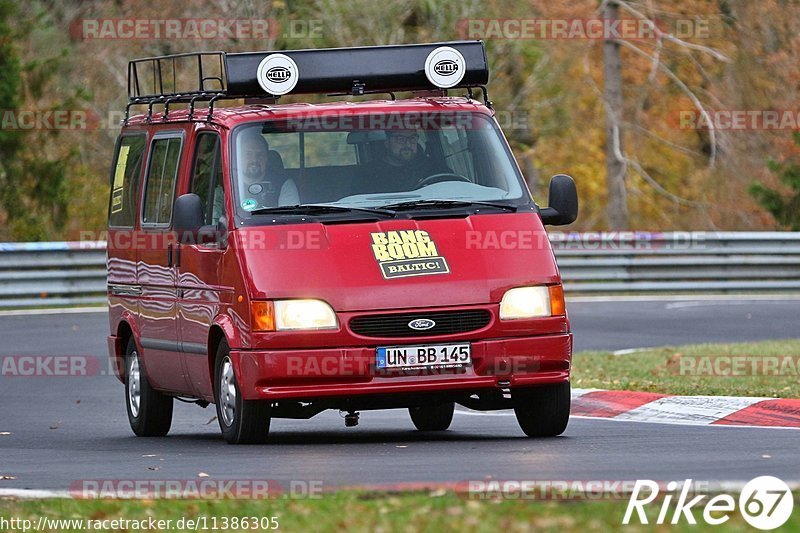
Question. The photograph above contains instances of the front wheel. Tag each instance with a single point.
(149, 411)
(542, 411)
(432, 417)
(241, 421)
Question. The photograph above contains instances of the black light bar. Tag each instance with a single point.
(212, 76)
(368, 69)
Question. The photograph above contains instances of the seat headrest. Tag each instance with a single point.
(274, 161)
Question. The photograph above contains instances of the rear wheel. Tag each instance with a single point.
(241, 421)
(542, 411)
(432, 417)
(149, 411)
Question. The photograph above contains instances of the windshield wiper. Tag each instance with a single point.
(443, 204)
(318, 209)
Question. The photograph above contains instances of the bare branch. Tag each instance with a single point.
(659, 138)
(660, 189)
(716, 54)
(712, 133)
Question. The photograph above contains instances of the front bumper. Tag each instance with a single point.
(337, 372)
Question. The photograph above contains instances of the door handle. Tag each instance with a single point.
(169, 255)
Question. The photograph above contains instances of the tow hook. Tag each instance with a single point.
(351, 419)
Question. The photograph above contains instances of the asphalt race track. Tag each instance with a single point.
(64, 429)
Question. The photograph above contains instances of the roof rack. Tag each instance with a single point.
(212, 76)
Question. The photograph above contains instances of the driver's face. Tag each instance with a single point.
(254, 157)
(401, 147)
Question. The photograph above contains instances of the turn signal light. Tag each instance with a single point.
(557, 305)
(263, 316)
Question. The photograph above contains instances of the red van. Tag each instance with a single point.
(281, 259)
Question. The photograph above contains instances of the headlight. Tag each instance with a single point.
(283, 315)
(532, 302)
(304, 314)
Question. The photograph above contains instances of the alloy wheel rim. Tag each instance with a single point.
(134, 385)
(227, 393)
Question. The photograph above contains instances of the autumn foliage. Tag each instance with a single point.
(707, 57)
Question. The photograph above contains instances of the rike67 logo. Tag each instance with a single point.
(765, 503)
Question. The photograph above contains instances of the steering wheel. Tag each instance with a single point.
(440, 177)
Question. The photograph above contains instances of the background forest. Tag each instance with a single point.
(606, 112)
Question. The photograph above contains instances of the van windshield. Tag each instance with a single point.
(372, 161)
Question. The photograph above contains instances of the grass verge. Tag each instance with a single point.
(769, 368)
(358, 511)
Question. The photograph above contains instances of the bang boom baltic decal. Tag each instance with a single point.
(405, 253)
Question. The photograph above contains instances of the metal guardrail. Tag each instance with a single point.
(679, 262)
(74, 273)
(52, 274)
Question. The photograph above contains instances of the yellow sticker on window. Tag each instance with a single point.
(119, 179)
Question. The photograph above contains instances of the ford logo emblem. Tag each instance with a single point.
(421, 324)
(446, 67)
(278, 74)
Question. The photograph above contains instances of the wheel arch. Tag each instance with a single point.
(125, 331)
(222, 328)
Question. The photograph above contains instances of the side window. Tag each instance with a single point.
(125, 181)
(313, 149)
(328, 149)
(160, 185)
(207, 177)
(287, 144)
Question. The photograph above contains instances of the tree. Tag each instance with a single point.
(10, 83)
(659, 58)
(784, 208)
(616, 166)
(35, 162)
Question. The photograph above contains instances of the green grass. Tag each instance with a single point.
(365, 511)
(659, 370)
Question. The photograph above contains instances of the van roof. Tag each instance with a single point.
(229, 117)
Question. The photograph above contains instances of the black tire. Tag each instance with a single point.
(432, 417)
(249, 421)
(152, 417)
(542, 411)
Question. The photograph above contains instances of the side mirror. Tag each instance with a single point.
(187, 216)
(563, 201)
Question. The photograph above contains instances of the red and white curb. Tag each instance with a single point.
(686, 410)
(631, 406)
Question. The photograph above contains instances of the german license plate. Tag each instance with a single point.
(427, 356)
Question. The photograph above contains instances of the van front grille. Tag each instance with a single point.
(397, 325)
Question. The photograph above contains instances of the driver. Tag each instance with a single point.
(258, 186)
(401, 168)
